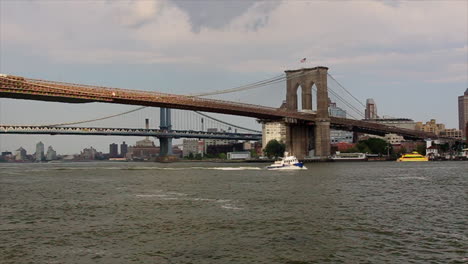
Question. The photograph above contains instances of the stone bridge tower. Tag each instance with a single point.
(303, 137)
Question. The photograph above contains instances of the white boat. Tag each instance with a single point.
(338, 156)
(287, 163)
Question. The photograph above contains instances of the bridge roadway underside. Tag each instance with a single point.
(22, 88)
(97, 131)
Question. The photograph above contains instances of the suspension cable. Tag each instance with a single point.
(226, 123)
(258, 84)
(346, 90)
(352, 107)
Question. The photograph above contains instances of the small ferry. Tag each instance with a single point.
(338, 156)
(287, 163)
(415, 156)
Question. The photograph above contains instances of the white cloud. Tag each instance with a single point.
(343, 34)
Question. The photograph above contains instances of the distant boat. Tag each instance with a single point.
(338, 156)
(287, 163)
(118, 159)
(415, 156)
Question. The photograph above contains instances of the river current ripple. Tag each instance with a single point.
(374, 212)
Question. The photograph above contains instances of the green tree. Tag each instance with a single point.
(421, 149)
(253, 153)
(373, 145)
(190, 156)
(363, 147)
(222, 156)
(402, 151)
(274, 149)
(445, 147)
(377, 145)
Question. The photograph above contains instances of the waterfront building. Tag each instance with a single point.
(7, 154)
(123, 149)
(89, 154)
(338, 136)
(463, 112)
(113, 150)
(430, 126)
(432, 151)
(215, 150)
(394, 139)
(342, 146)
(20, 154)
(452, 132)
(51, 154)
(144, 149)
(273, 130)
(193, 146)
(371, 109)
(39, 156)
(216, 142)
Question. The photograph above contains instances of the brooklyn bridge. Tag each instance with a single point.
(306, 128)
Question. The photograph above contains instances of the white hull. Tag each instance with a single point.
(349, 157)
(286, 168)
(287, 163)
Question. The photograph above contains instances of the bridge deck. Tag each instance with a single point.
(33, 89)
(102, 131)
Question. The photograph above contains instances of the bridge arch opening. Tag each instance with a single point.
(314, 95)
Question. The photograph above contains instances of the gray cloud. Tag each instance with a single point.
(217, 14)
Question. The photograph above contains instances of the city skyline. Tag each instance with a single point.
(406, 55)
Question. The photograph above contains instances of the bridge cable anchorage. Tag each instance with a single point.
(346, 90)
(254, 85)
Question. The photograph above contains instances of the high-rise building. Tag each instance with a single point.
(338, 136)
(335, 111)
(113, 150)
(123, 149)
(463, 111)
(39, 151)
(193, 146)
(371, 109)
(51, 154)
(273, 130)
(20, 154)
(89, 154)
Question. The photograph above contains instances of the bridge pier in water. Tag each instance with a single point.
(303, 137)
(165, 143)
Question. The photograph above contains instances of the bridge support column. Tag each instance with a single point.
(299, 137)
(165, 143)
(322, 124)
(298, 140)
(322, 139)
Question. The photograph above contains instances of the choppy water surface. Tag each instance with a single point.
(381, 212)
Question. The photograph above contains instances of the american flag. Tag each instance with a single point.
(303, 60)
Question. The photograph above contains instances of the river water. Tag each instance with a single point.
(364, 212)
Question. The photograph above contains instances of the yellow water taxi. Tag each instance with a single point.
(415, 156)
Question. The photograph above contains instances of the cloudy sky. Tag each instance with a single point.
(410, 56)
